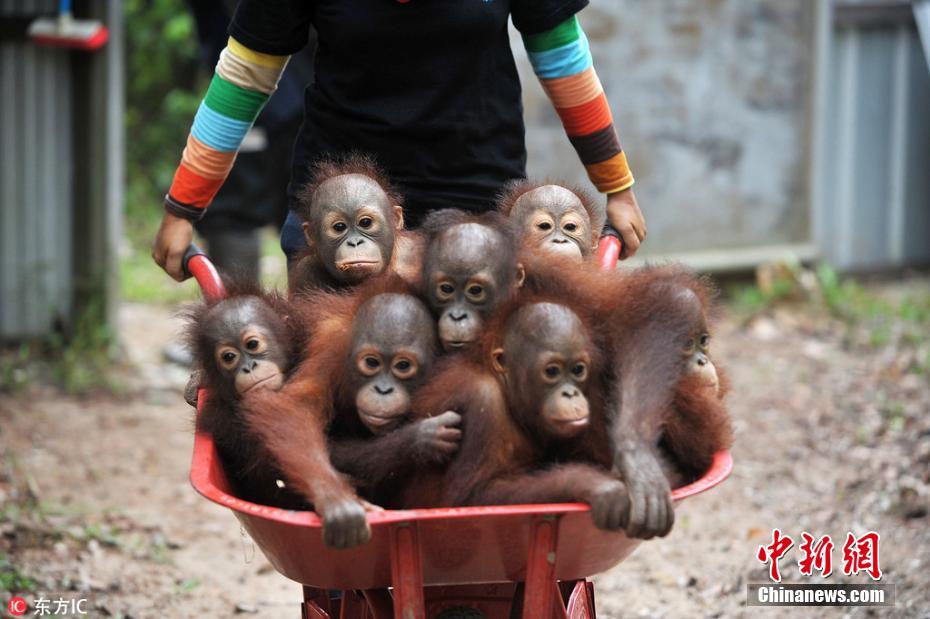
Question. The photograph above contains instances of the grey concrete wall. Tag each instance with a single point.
(711, 101)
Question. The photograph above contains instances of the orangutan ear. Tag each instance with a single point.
(305, 226)
(398, 211)
(497, 360)
(521, 275)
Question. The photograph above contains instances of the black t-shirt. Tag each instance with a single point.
(428, 86)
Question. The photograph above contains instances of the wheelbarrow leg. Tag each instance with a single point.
(541, 597)
(353, 606)
(581, 601)
(407, 572)
(316, 604)
(380, 604)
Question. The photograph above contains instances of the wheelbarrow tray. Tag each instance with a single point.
(456, 545)
(434, 559)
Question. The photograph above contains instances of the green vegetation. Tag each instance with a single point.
(873, 316)
(888, 320)
(79, 362)
(84, 363)
(186, 586)
(15, 368)
(750, 300)
(775, 284)
(850, 301)
(13, 580)
(99, 533)
(164, 85)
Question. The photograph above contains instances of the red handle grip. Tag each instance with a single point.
(197, 265)
(608, 248)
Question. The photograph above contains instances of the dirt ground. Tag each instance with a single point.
(832, 435)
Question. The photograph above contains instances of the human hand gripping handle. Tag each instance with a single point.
(624, 215)
(171, 241)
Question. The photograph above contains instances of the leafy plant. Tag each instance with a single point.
(164, 85)
(14, 580)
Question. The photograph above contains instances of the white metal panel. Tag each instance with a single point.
(35, 183)
(874, 207)
(922, 17)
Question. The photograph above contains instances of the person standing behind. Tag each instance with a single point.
(429, 87)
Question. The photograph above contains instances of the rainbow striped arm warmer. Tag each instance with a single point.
(562, 61)
(243, 82)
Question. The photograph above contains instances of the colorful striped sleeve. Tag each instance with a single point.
(561, 59)
(242, 84)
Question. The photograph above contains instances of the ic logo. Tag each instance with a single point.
(17, 606)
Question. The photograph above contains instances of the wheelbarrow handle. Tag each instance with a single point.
(196, 264)
(609, 247)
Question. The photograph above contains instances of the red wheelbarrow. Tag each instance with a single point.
(496, 562)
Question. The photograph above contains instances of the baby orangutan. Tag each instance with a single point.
(372, 437)
(243, 344)
(353, 224)
(531, 395)
(699, 424)
(470, 268)
(343, 410)
(664, 394)
(554, 218)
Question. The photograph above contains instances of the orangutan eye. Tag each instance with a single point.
(340, 226)
(227, 357)
(475, 290)
(252, 344)
(544, 225)
(552, 371)
(404, 368)
(368, 364)
(446, 288)
(705, 340)
(579, 370)
(365, 222)
(571, 227)
(688, 347)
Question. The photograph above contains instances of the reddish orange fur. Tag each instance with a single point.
(292, 422)
(623, 304)
(504, 458)
(307, 272)
(248, 462)
(698, 427)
